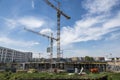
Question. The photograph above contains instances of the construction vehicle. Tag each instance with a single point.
(94, 70)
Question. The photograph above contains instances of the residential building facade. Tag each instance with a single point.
(9, 55)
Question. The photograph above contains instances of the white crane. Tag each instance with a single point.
(51, 42)
(59, 13)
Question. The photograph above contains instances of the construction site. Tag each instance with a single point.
(11, 58)
(69, 66)
(59, 62)
(15, 61)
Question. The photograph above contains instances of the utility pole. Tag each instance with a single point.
(59, 13)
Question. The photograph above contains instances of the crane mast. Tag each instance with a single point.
(59, 13)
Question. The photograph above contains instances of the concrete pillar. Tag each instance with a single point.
(23, 66)
(115, 59)
(45, 66)
(13, 56)
(2, 55)
(76, 70)
(5, 55)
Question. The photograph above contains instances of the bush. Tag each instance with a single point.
(2, 76)
(21, 71)
(114, 76)
(32, 71)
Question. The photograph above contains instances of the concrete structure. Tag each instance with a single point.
(114, 64)
(9, 55)
(83, 59)
(116, 59)
(67, 66)
(100, 59)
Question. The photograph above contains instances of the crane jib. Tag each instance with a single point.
(49, 3)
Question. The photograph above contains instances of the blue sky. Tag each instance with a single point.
(93, 30)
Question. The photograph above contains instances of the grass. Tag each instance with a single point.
(113, 76)
(45, 75)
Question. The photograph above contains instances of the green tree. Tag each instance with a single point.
(89, 59)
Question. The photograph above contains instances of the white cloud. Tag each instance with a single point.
(100, 6)
(8, 41)
(11, 23)
(112, 23)
(81, 31)
(46, 31)
(114, 36)
(92, 27)
(89, 29)
(75, 53)
(29, 22)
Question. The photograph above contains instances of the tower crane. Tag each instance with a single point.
(51, 42)
(59, 13)
(44, 35)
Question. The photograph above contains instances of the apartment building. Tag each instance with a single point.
(9, 55)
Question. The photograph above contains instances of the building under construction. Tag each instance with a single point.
(63, 64)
